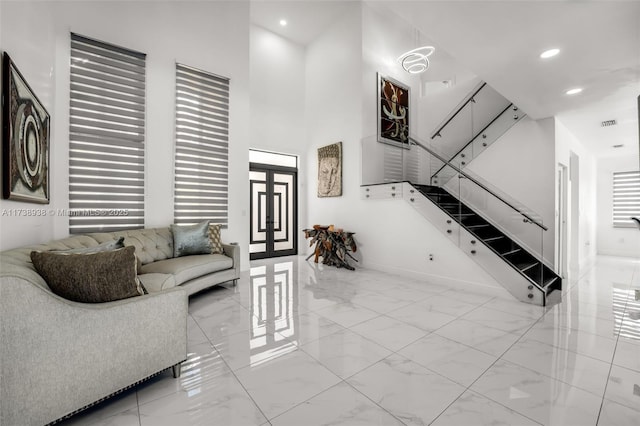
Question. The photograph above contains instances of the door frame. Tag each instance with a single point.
(562, 220)
(269, 169)
(573, 223)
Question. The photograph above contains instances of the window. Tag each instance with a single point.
(273, 158)
(106, 137)
(202, 140)
(626, 198)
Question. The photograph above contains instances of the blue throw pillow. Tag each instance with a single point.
(191, 239)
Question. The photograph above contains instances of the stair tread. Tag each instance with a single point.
(511, 252)
(483, 225)
(520, 260)
(526, 266)
(546, 283)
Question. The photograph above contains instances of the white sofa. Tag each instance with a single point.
(58, 357)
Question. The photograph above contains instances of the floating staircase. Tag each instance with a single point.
(539, 275)
(503, 236)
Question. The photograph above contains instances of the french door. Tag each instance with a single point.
(274, 211)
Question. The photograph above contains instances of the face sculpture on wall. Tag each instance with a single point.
(330, 170)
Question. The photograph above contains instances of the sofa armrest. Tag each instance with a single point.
(58, 356)
(233, 251)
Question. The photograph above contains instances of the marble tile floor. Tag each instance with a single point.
(302, 344)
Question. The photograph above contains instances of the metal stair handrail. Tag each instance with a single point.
(459, 108)
(474, 137)
(481, 185)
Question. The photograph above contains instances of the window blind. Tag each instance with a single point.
(626, 198)
(202, 141)
(106, 133)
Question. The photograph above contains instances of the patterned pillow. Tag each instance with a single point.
(190, 239)
(98, 277)
(215, 241)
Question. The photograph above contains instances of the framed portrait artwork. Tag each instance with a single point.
(25, 139)
(330, 170)
(393, 112)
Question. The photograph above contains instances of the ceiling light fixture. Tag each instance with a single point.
(574, 91)
(549, 53)
(283, 22)
(417, 60)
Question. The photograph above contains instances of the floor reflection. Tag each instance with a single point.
(630, 317)
(295, 343)
(273, 324)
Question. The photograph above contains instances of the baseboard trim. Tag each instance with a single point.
(440, 279)
(587, 264)
(618, 253)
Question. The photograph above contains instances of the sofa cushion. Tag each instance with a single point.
(187, 268)
(90, 278)
(190, 239)
(154, 283)
(20, 258)
(106, 246)
(151, 243)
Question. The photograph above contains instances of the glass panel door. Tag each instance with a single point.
(274, 212)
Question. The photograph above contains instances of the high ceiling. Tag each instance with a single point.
(501, 41)
(306, 20)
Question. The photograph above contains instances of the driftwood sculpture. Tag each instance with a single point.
(333, 245)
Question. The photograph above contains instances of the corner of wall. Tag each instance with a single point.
(32, 48)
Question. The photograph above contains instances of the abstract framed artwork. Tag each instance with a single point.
(25, 139)
(330, 170)
(393, 112)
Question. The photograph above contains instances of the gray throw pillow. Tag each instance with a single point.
(108, 246)
(191, 239)
(98, 277)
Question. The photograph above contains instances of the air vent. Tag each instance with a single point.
(608, 123)
(618, 145)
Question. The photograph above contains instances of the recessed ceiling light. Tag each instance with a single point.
(574, 91)
(549, 53)
(283, 22)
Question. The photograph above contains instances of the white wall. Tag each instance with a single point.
(277, 70)
(333, 114)
(521, 164)
(584, 243)
(438, 101)
(32, 48)
(212, 36)
(341, 106)
(614, 241)
(384, 37)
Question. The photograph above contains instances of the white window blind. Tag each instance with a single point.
(202, 141)
(626, 198)
(106, 132)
